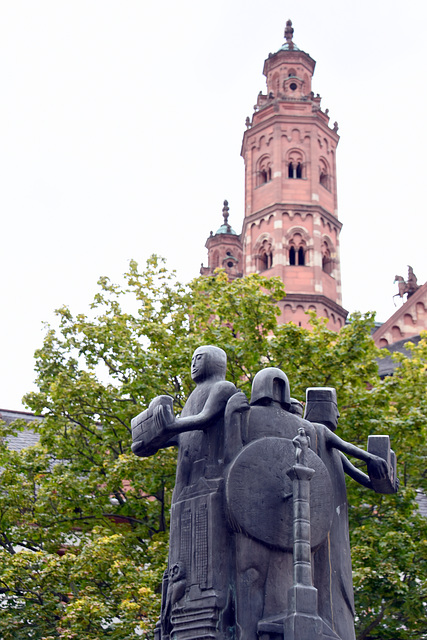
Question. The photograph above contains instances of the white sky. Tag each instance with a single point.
(121, 126)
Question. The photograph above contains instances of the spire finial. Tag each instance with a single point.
(225, 212)
(289, 32)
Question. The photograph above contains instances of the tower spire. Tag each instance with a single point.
(289, 33)
(225, 249)
(225, 213)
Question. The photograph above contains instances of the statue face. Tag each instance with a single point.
(199, 365)
(334, 414)
(208, 362)
(325, 412)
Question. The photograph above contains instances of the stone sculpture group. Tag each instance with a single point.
(259, 543)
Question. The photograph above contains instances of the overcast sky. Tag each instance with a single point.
(121, 126)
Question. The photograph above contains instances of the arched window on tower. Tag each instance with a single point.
(264, 173)
(297, 251)
(324, 174)
(264, 257)
(295, 170)
(327, 257)
(324, 179)
(295, 162)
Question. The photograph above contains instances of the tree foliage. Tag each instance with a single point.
(84, 522)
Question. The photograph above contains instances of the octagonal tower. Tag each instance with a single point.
(291, 227)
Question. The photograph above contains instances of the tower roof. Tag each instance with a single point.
(225, 228)
(287, 49)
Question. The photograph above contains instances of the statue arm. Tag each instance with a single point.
(346, 447)
(215, 405)
(148, 431)
(355, 473)
(157, 427)
(378, 467)
(236, 423)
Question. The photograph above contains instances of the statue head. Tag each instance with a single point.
(271, 384)
(321, 406)
(296, 407)
(177, 571)
(208, 362)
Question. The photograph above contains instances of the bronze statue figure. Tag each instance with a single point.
(409, 287)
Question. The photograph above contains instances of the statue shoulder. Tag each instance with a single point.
(220, 392)
(317, 433)
(224, 388)
(319, 427)
(309, 427)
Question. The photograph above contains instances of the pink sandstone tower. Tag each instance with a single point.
(291, 227)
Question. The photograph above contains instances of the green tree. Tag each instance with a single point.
(84, 522)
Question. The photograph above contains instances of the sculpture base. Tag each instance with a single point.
(195, 622)
(295, 626)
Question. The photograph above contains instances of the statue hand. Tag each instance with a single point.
(378, 468)
(238, 402)
(163, 416)
(151, 428)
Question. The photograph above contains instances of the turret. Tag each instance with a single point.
(224, 250)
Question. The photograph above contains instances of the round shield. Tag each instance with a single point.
(259, 493)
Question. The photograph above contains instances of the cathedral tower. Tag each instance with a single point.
(290, 228)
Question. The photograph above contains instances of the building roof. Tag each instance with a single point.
(23, 439)
(421, 499)
(407, 321)
(225, 228)
(387, 366)
(289, 47)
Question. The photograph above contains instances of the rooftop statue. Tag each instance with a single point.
(259, 546)
(409, 287)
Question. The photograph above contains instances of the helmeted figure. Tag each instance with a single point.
(259, 502)
(259, 499)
